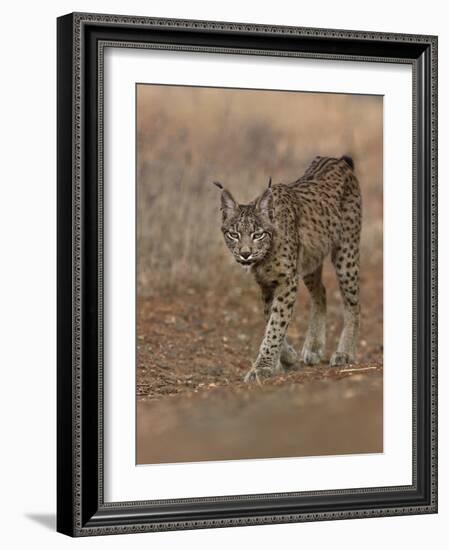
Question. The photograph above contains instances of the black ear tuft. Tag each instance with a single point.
(265, 203)
(348, 161)
(228, 204)
(269, 183)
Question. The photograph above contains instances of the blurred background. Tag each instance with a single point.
(189, 137)
(199, 315)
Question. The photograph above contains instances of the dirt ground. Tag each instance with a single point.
(194, 348)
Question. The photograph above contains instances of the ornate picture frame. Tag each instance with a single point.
(81, 507)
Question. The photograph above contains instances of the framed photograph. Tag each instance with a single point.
(247, 278)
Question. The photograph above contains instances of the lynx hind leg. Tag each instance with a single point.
(314, 344)
(346, 261)
(288, 355)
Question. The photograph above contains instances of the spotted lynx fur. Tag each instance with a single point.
(285, 234)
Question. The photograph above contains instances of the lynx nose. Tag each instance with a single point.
(245, 254)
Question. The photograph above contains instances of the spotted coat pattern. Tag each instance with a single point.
(285, 234)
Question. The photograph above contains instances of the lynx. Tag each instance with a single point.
(285, 234)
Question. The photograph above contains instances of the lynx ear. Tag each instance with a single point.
(228, 204)
(265, 203)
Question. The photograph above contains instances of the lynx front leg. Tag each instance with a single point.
(288, 353)
(279, 315)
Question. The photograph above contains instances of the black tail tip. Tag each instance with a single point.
(348, 161)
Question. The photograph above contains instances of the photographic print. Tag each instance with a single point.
(247, 274)
(259, 273)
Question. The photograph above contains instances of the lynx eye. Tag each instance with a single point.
(232, 235)
(259, 235)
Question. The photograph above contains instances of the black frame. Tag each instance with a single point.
(81, 509)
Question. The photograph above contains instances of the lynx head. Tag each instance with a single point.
(248, 229)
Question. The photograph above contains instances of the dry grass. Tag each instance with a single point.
(189, 137)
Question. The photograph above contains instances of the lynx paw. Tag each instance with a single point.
(310, 357)
(252, 376)
(339, 359)
(257, 374)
